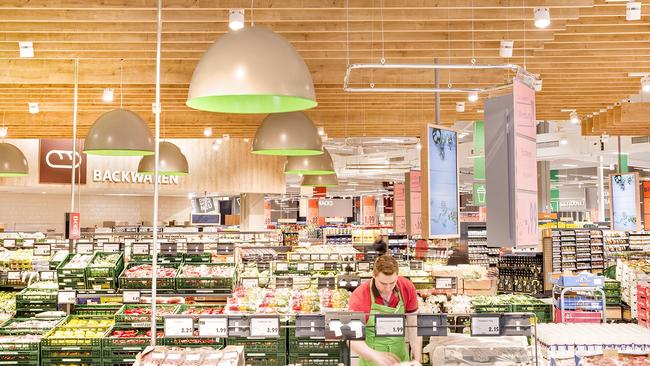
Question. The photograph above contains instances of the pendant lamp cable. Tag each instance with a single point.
(372, 41)
(449, 42)
(121, 83)
(347, 33)
(252, 7)
(74, 133)
(381, 14)
(523, 10)
(473, 54)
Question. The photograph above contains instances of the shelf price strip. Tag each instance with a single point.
(389, 326)
(265, 327)
(179, 327)
(213, 327)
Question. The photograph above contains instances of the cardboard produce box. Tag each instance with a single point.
(483, 286)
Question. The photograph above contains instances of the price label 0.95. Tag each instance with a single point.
(486, 326)
(265, 327)
(213, 327)
(179, 327)
(389, 326)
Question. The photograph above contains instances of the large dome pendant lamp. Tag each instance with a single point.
(310, 165)
(119, 132)
(252, 70)
(12, 161)
(288, 134)
(329, 180)
(171, 161)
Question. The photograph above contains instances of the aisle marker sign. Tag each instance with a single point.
(389, 326)
(213, 327)
(67, 297)
(179, 327)
(265, 327)
(131, 297)
(486, 326)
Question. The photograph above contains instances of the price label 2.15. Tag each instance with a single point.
(213, 327)
(486, 326)
(179, 327)
(389, 326)
(265, 327)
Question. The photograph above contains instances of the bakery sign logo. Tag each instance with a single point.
(55, 161)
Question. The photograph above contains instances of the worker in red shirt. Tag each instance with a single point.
(386, 293)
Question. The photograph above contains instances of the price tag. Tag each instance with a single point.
(282, 266)
(327, 282)
(131, 297)
(67, 297)
(168, 248)
(265, 327)
(363, 266)
(140, 249)
(303, 267)
(111, 247)
(9, 243)
(195, 248)
(486, 326)
(250, 282)
(85, 248)
(389, 326)
(444, 282)
(331, 266)
(43, 250)
(27, 243)
(47, 276)
(13, 275)
(179, 327)
(193, 356)
(213, 327)
(319, 266)
(416, 265)
(283, 282)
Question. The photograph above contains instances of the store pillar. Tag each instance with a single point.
(252, 212)
(544, 186)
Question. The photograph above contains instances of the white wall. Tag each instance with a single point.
(40, 212)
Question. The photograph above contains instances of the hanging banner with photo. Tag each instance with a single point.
(624, 205)
(441, 201)
(646, 205)
(399, 206)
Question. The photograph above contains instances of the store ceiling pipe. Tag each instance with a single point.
(172, 161)
(289, 134)
(310, 165)
(329, 180)
(119, 133)
(12, 161)
(252, 70)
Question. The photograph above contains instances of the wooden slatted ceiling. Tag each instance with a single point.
(583, 58)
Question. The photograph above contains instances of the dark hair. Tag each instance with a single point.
(386, 264)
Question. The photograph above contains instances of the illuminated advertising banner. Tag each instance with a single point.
(625, 210)
(413, 188)
(646, 205)
(399, 205)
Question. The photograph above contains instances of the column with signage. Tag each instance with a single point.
(646, 205)
(413, 188)
(252, 211)
(399, 208)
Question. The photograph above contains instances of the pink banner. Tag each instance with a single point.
(415, 202)
(399, 207)
(369, 211)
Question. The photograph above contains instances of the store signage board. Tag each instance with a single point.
(646, 204)
(179, 326)
(369, 210)
(85, 248)
(140, 249)
(73, 225)
(47, 275)
(13, 275)
(489, 326)
(66, 297)
(399, 207)
(55, 161)
(131, 297)
(195, 248)
(43, 250)
(213, 327)
(389, 325)
(441, 174)
(9, 243)
(330, 207)
(265, 327)
(625, 202)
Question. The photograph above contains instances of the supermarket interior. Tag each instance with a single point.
(324, 183)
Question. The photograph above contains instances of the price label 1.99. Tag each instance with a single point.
(213, 327)
(486, 326)
(265, 327)
(389, 326)
(179, 327)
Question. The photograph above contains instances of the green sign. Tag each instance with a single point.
(479, 194)
(479, 151)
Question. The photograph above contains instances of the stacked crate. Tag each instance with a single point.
(263, 351)
(612, 292)
(23, 351)
(74, 343)
(31, 301)
(643, 303)
(312, 351)
(104, 278)
(71, 278)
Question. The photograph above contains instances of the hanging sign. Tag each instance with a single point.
(624, 202)
(369, 211)
(73, 225)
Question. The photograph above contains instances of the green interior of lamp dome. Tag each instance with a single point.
(320, 185)
(12, 174)
(107, 152)
(251, 103)
(310, 172)
(160, 172)
(287, 152)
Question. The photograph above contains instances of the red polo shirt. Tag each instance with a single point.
(360, 298)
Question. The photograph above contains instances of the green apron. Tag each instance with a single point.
(394, 345)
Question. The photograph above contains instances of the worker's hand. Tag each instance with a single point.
(416, 356)
(385, 359)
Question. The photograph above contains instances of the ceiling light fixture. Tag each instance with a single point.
(506, 48)
(207, 132)
(563, 141)
(107, 96)
(26, 49)
(645, 84)
(418, 146)
(119, 133)
(310, 165)
(569, 165)
(329, 180)
(542, 17)
(3, 131)
(216, 146)
(321, 131)
(33, 107)
(633, 11)
(574, 118)
(472, 96)
(253, 70)
(289, 134)
(460, 107)
(12, 161)
(171, 161)
(236, 19)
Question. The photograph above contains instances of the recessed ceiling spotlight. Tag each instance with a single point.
(569, 165)
(33, 107)
(236, 19)
(321, 131)
(418, 146)
(3, 131)
(216, 146)
(108, 95)
(574, 118)
(218, 141)
(26, 49)
(633, 10)
(506, 48)
(645, 84)
(247, 140)
(542, 17)
(472, 96)
(460, 107)
(207, 132)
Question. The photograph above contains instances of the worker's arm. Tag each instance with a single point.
(369, 354)
(415, 342)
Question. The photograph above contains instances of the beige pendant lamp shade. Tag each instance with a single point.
(172, 161)
(119, 133)
(329, 180)
(289, 134)
(252, 70)
(310, 165)
(12, 161)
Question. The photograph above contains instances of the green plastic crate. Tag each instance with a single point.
(143, 320)
(100, 309)
(612, 285)
(71, 361)
(19, 353)
(314, 359)
(102, 284)
(71, 352)
(613, 300)
(109, 271)
(34, 296)
(301, 345)
(543, 311)
(205, 283)
(256, 345)
(491, 308)
(144, 283)
(217, 343)
(265, 359)
(198, 258)
(72, 272)
(6, 327)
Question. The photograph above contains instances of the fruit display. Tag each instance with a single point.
(7, 303)
(134, 333)
(205, 276)
(200, 310)
(618, 360)
(170, 356)
(87, 322)
(73, 333)
(6, 341)
(286, 301)
(142, 313)
(51, 285)
(37, 325)
(108, 260)
(206, 271)
(78, 261)
(16, 260)
(145, 271)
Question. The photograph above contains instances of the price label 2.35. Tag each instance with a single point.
(179, 327)
(265, 327)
